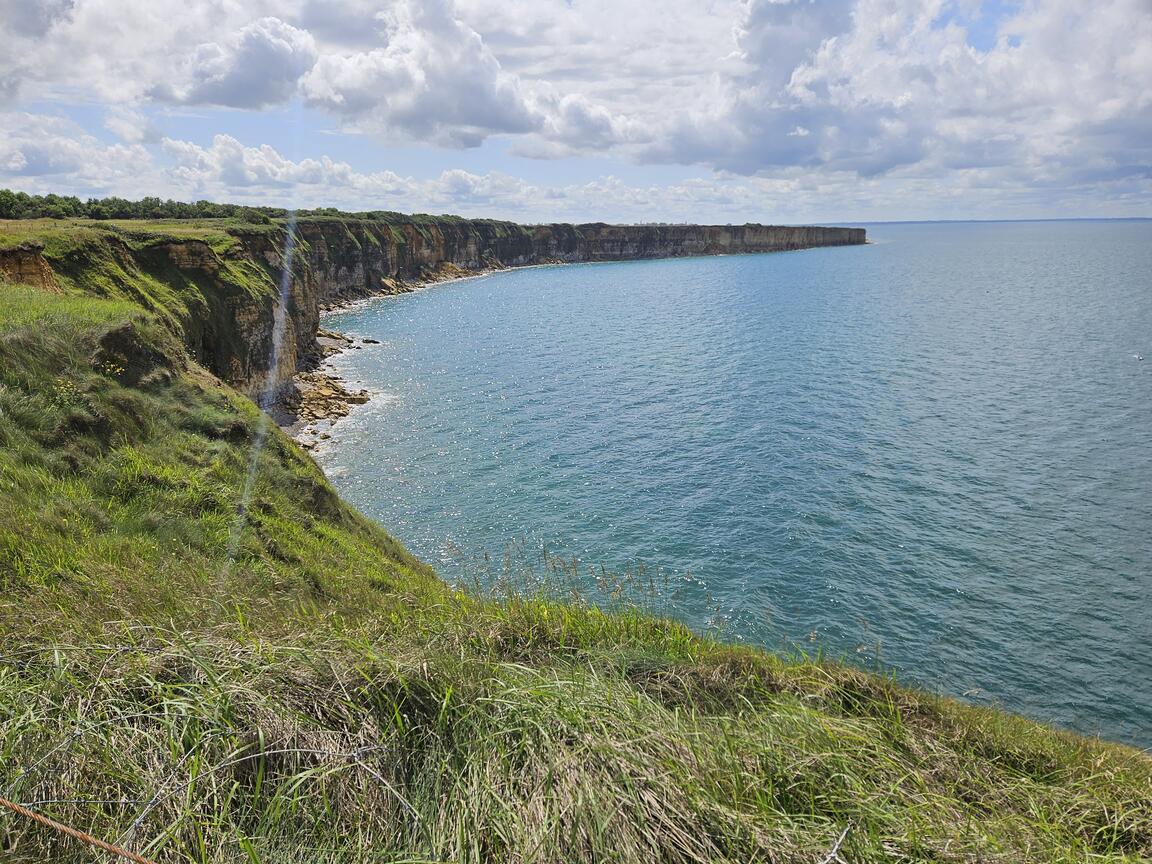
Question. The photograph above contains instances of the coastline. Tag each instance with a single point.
(239, 632)
(321, 396)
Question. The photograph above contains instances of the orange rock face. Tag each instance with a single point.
(25, 265)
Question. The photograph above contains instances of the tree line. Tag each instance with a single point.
(21, 205)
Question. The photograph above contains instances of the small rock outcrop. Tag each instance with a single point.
(25, 265)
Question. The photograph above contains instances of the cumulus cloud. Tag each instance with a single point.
(256, 66)
(20, 21)
(576, 121)
(777, 36)
(644, 60)
(114, 51)
(230, 164)
(435, 80)
(260, 174)
(131, 125)
(972, 98)
(462, 188)
(344, 23)
(33, 17)
(882, 86)
(404, 70)
(40, 153)
(42, 146)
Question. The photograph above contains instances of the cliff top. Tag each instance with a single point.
(14, 232)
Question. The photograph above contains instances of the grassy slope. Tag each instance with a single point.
(323, 698)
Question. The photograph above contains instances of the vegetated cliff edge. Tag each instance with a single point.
(211, 657)
(218, 282)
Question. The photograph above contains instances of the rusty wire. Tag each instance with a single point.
(74, 833)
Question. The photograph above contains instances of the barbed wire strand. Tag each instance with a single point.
(74, 833)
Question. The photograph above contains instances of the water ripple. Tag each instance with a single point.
(934, 450)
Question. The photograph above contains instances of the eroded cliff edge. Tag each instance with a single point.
(219, 285)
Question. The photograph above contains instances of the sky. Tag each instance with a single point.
(774, 111)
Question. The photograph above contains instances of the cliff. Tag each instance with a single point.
(209, 657)
(217, 284)
(360, 258)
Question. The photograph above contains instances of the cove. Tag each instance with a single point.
(930, 452)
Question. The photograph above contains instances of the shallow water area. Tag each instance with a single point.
(931, 452)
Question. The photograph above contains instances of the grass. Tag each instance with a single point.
(120, 459)
(13, 232)
(469, 731)
(289, 685)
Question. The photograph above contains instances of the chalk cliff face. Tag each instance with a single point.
(224, 298)
(362, 258)
(229, 309)
(600, 242)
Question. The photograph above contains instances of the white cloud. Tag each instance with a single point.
(434, 80)
(404, 70)
(576, 121)
(641, 60)
(131, 125)
(260, 174)
(896, 85)
(52, 154)
(55, 148)
(229, 164)
(115, 51)
(257, 65)
(890, 93)
(33, 18)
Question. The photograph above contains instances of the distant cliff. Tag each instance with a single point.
(351, 259)
(218, 284)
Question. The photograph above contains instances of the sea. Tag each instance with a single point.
(929, 456)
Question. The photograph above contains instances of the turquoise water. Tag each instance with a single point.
(933, 452)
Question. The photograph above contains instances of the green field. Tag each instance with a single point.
(208, 680)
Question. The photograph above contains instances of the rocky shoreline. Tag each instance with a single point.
(232, 330)
(323, 399)
(321, 396)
